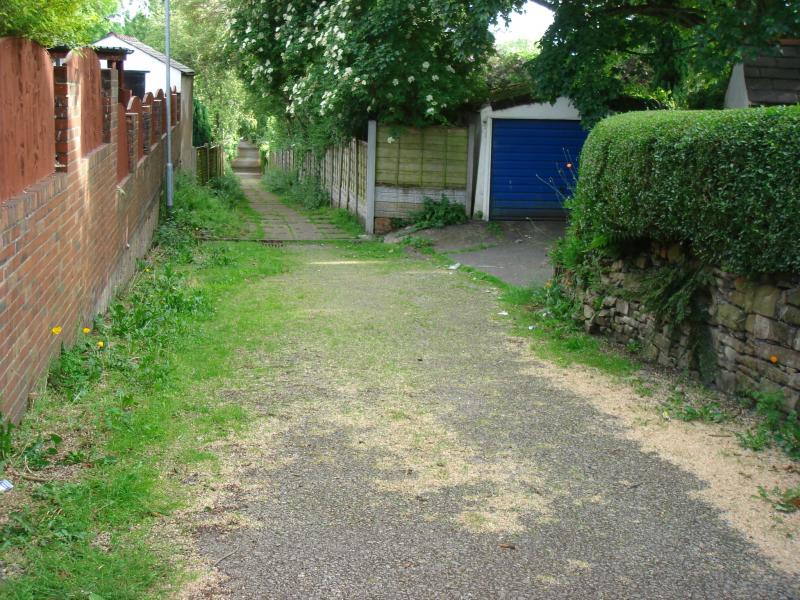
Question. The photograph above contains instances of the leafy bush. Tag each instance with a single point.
(723, 183)
(308, 193)
(211, 211)
(438, 213)
(201, 126)
(279, 181)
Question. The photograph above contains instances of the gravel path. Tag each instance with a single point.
(407, 449)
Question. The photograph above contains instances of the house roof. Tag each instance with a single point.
(775, 79)
(151, 51)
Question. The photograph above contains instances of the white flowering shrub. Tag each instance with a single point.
(329, 66)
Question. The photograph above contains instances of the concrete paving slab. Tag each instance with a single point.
(280, 222)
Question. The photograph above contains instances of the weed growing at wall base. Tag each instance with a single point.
(89, 462)
(775, 427)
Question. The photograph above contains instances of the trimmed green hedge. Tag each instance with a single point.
(724, 183)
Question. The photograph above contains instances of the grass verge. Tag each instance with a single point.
(127, 412)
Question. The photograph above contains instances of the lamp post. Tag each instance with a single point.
(169, 191)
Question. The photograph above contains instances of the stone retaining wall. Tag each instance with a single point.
(750, 335)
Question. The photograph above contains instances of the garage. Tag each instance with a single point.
(533, 167)
(527, 160)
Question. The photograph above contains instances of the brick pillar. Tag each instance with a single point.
(132, 122)
(108, 104)
(65, 127)
(147, 119)
(157, 119)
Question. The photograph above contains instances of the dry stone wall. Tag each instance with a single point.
(750, 334)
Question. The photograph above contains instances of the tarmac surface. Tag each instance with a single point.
(407, 447)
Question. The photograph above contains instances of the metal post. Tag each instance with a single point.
(169, 108)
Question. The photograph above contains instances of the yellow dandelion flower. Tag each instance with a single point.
(100, 344)
(86, 330)
(56, 330)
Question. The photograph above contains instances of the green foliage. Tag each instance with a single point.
(76, 369)
(344, 220)
(201, 127)
(718, 182)
(787, 501)
(38, 453)
(218, 210)
(6, 443)
(679, 407)
(279, 181)
(670, 292)
(546, 313)
(199, 31)
(605, 54)
(327, 68)
(508, 72)
(308, 193)
(438, 213)
(416, 242)
(56, 22)
(90, 535)
(776, 426)
(310, 197)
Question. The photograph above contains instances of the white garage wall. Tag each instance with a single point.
(156, 78)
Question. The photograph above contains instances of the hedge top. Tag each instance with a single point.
(724, 183)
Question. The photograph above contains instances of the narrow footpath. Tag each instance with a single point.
(280, 222)
(405, 445)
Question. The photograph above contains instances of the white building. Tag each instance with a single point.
(146, 67)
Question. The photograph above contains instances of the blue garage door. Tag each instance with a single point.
(534, 164)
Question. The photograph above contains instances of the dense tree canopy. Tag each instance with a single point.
(329, 66)
(54, 22)
(199, 32)
(677, 51)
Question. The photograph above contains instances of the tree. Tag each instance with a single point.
(56, 22)
(199, 31)
(325, 68)
(676, 51)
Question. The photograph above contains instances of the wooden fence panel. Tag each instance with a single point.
(434, 157)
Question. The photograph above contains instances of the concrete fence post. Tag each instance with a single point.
(372, 162)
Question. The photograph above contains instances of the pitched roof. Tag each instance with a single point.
(151, 51)
(775, 79)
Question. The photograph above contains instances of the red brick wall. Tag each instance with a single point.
(71, 239)
(27, 142)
